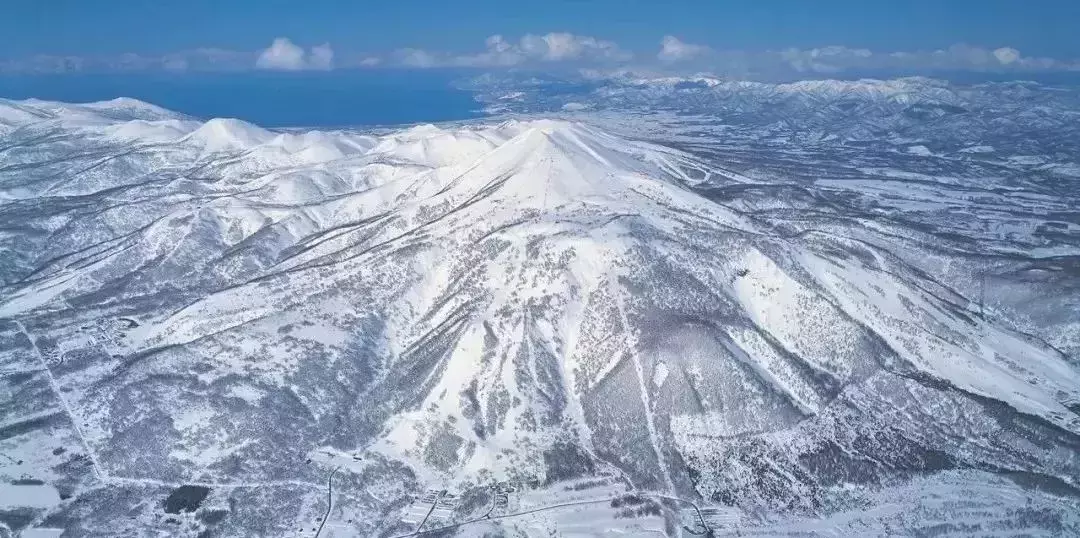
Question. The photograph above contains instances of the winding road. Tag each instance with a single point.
(329, 501)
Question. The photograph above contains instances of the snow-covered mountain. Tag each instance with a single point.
(205, 322)
(1016, 115)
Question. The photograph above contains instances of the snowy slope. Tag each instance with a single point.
(440, 307)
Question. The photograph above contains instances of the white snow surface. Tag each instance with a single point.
(489, 277)
(556, 170)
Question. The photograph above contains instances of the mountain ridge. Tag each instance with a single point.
(537, 300)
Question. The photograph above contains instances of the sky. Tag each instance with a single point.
(1041, 28)
(329, 34)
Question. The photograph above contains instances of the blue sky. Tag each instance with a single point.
(1043, 27)
(444, 30)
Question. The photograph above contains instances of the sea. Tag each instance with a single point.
(344, 98)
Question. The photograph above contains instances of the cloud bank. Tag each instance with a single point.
(957, 57)
(547, 49)
(563, 49)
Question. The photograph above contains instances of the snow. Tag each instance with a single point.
(485, 281)
(41, 533)
(804, 322)
(919, 150)
(13, 496)
(224, 134)
(1027, 160)
(992, 362)
(155, 132)
(660, 374)
(133, 108)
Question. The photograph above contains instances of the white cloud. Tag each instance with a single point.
(499, 52)
(497, 43)
(559, 46)
(1007, 55)
(563, 47)
(826, 59)
(204, 59)
(418, 58)
(673, 49)
(284, 55)
(321, 57)
(958, 57)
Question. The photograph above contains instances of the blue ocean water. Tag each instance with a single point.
(333, 99)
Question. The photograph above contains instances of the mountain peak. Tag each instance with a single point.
(228, 134)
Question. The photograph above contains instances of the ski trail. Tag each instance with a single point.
(96, 465)
(643, 388)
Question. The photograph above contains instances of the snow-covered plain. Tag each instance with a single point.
(210, 328)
